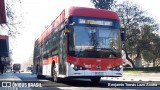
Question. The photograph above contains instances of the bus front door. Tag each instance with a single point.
(62, 53)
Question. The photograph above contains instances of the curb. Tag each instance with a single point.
(149, 77)
(124, 79)
(9, 76)
(141, 73)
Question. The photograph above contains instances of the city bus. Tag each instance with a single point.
(80, 43)
(16, 67)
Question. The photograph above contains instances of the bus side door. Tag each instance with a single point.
(62, 53)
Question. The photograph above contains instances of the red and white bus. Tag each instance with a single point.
(80, 43)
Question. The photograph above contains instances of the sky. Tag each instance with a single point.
(39, 13)
(151, 6)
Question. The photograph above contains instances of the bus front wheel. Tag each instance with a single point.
(40, 76)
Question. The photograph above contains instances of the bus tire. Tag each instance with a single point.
(40, 76)
(95, 80)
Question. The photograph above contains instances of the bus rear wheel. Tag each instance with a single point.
(95, 80)
(40, 76)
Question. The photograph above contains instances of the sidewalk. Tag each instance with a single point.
(136, 77)
(8, 76)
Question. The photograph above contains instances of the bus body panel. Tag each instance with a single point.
(94, 66)
(47, 65)
(89, 73)
(95, 63)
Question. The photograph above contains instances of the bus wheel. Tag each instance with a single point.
(40, 76)
(95, 80)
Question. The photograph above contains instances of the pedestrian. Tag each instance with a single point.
(32, 69)
(1, 65)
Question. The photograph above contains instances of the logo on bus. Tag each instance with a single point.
(98, 67)
(87, 66)
(98, 60)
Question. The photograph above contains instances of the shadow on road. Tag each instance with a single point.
(68, 82)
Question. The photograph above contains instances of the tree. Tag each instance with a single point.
(156, 50)
(138, 25)
(150, 43)
(133, 19)
(107, 4)
(10, 28)
(151, 53)
(103, 4)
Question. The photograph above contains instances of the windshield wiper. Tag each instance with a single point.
(111, 51)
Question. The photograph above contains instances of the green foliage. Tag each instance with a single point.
(10, 27)
(142, 70)
(103, 4)
(148, 55)
(140, 29)
(150, 43)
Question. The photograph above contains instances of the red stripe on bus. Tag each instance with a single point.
(50, 60)
(105, 63)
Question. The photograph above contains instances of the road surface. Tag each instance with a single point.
(85, 84)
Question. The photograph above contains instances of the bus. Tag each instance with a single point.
(16, 67)
(80, 43)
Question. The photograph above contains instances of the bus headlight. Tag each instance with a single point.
(77, 67)
(117, 68)
(121, 66)
(72, 65)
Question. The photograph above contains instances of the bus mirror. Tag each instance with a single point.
(66, 21)
(123, 34)
(72, 24)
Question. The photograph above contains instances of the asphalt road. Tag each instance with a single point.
(85, 84)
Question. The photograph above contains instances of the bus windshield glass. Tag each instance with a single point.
(94, 39)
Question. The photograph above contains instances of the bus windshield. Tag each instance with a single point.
(94, 38)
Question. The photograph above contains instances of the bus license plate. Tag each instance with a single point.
(98, 73)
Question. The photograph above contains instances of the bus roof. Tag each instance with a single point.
(3, 37)
(91, 12)
(76, 11)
